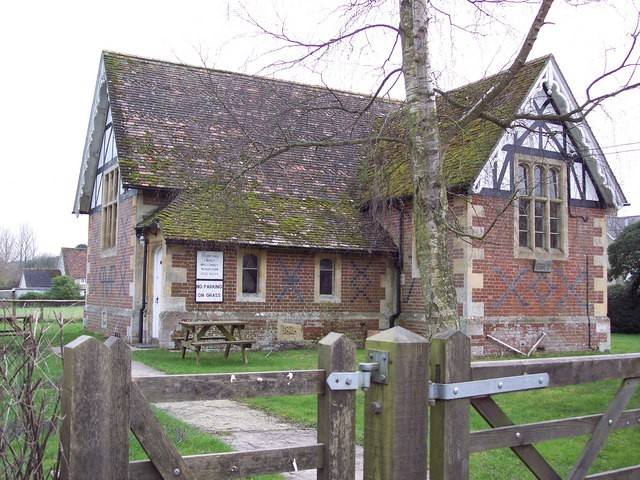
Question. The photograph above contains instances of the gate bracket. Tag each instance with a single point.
(492, 386)
(362, 378)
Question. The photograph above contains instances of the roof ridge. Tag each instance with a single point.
(528, 63)
(251, 76)
(302, 84)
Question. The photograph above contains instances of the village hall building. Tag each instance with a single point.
(199, 208)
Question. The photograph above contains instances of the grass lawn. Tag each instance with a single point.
(68, 313)
(621, 449)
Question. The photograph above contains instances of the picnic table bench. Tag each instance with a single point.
(197, 335)
(12, 332)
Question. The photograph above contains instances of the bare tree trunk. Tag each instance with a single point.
(430, 193)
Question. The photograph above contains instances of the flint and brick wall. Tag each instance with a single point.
(502, 296)
(289, 298)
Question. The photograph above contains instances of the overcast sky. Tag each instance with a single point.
(50, 53)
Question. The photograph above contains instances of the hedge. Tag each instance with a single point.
(624, 309)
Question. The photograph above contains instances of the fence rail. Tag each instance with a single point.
(239, 464)
(223, 386)
(563, 370)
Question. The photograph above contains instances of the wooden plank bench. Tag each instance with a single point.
(243, 344)
(179, 336)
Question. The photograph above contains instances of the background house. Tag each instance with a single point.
(186, 222)
(73, 263)
(34, 280)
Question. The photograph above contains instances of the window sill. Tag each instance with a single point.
(250, 298)
(327, 299)
(538, 254)
(109, 252)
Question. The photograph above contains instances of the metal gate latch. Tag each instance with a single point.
(368, 372)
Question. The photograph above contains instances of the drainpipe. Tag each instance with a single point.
(586, 266)
(399, 263)
(143, 307)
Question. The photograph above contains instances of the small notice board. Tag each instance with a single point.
(209, 276)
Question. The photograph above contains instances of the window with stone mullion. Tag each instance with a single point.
(539, 207)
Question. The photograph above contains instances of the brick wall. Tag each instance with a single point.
(110, 273)
(502, 296)
(289, 296)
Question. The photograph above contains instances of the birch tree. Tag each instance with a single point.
(423, 139)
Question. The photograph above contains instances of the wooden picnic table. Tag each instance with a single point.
(14, 331)
(227, 333)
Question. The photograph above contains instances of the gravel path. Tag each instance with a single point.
(242, 427)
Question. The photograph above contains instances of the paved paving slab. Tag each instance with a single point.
(245, 428)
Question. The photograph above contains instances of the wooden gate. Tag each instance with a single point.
(101, 403)
(451, 441)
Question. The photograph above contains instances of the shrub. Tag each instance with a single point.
(624, 309)
(63, 288)
(34, 296)
(29, 401)
(624, 256)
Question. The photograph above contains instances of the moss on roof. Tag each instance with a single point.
(211, 213)
(385, 171)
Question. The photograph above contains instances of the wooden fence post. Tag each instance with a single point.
(95, 405)
(450, 362)
(336, 411)
(395, 440)
(13, 304)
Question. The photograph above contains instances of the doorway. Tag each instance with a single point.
(157, 291)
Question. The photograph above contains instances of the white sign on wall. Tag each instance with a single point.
(209, 291)
(209, 265)
(209, 277)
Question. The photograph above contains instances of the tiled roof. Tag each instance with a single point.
(209, 212)
(37, 278)
(388, 170)
(189, 129)
(75, 262)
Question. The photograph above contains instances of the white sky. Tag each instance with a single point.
(50, 53)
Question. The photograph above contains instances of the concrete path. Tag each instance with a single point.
(242, 427)
(139, 369)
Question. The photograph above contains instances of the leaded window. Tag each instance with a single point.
(540, 202)
(110, 189)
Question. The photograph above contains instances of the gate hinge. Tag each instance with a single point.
(375, 371)
(491, 386)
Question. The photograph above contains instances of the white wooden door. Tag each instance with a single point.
(157, 291)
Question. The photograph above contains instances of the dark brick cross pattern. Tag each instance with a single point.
(542, 287)
(511, 287)
(291, 282)
(107, 279)
(411, 285)
(360, 282)
(571, 286)
(124, 290)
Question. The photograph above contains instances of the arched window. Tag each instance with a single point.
(250, 273)
(326, 276)
(553, 184)
(524, 205)
(523, 180)
(540, 207)
(555, 204)
(539, 185)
